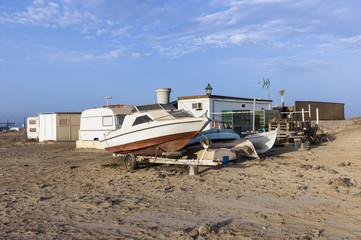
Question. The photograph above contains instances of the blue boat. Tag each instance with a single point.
(215, 134)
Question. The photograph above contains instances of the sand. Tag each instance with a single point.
(54, 191)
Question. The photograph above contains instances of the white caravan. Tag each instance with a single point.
(32, 129)
(97, 122)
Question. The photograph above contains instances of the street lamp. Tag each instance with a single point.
(209, 89)
(107, 99)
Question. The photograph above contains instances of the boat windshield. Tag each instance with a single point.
(142, 119)
(180, 113)
(168, 107)
(119, 121)
(171, 110)
(150, 107)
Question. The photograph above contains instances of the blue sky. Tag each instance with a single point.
(67, 55)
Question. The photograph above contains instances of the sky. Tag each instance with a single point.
(68, 55)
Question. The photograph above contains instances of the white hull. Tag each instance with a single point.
(263, 141)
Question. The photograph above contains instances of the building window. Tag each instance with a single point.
(32, 130)
(63, 122)
(108, 121)
(197, 106)
(32, 122)
(243, 105)
(142, 119)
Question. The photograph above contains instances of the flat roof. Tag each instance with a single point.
(60, 113)
(222, 97)
(317, 102)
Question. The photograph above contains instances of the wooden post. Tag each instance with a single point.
(193, 170)
(254, 113)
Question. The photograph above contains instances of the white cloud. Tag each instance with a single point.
(268, 34)
(136, 55)
(350, 44)
(48, 14)
(112, 55)
(270, 24)
(236, 12)
(38, 2)
(110, 23)
(282, 65)
(227, 38)
(121, 31)
(175, 51)
(100, 32)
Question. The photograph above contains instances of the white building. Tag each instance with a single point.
(59, 126)
(32, 128)
(216, 107)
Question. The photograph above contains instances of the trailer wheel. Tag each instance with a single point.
(130, 162)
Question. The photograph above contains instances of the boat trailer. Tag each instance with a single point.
(131, 161)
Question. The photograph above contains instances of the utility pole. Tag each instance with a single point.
(8, 124)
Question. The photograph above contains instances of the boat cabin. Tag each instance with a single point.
(154, 112)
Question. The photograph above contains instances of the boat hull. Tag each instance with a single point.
(262, 141)
(169, 143)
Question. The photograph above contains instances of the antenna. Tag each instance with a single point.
(266, 84)
(107, 100)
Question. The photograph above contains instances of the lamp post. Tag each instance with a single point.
(209, 89)
(107, 100)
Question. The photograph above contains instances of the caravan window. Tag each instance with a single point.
(108, 121)
(142, 119)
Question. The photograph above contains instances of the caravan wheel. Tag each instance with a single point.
(130, 162)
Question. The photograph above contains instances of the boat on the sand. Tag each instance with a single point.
(227, 138)
(215, 134)
(154, 129)
(263, 142)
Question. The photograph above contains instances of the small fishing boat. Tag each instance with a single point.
(262, 142)
(215, 134)
(153, 129)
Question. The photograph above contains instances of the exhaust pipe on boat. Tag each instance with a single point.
(163, 95)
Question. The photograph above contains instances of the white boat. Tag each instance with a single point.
(262, 142)
(215, 134)
(153, 129)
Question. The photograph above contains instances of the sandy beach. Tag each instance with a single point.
(55, 191)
